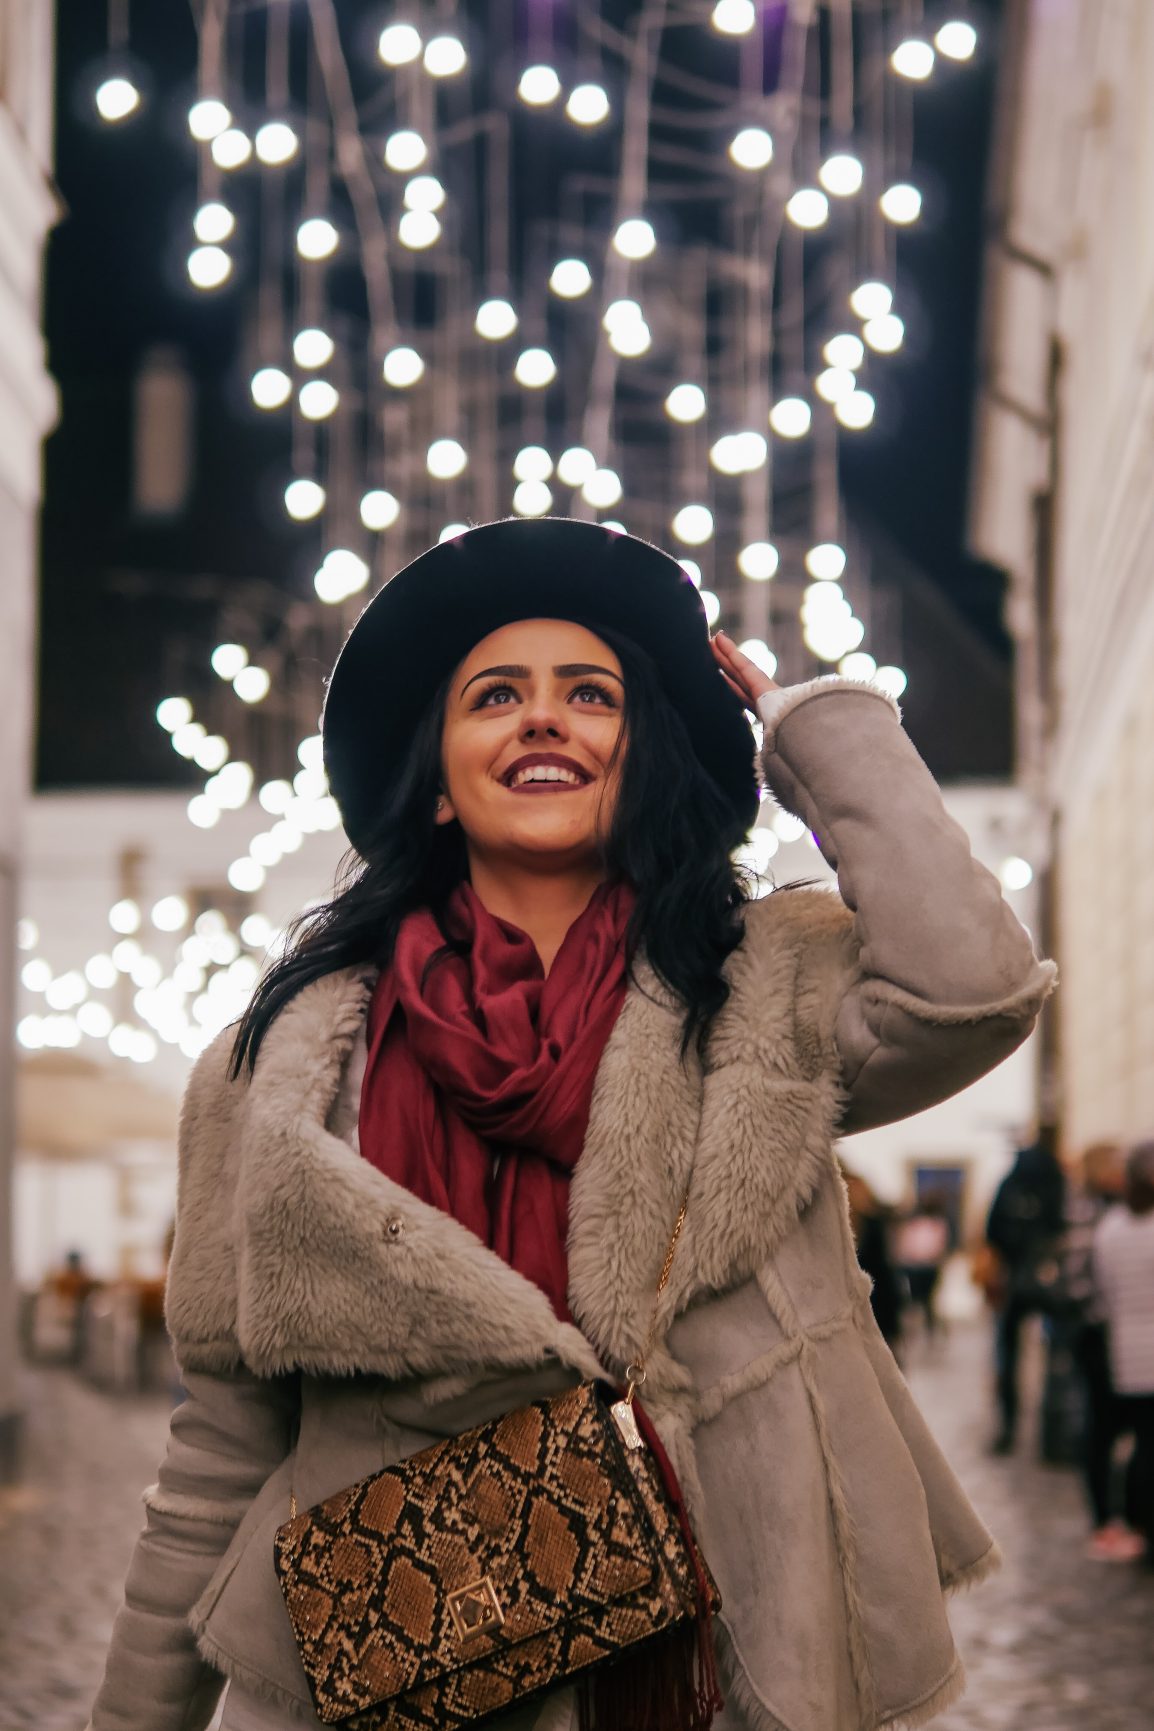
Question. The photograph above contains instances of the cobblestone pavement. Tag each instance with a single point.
(1052, 1644)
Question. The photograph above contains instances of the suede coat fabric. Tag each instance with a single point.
(309, 1294)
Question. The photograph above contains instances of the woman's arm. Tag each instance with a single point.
(226, 1438)
(946, 982)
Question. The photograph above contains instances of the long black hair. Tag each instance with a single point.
(671, 837)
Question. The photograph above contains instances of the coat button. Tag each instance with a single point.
(395, 1229)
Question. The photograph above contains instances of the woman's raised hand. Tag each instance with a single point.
(742, 675)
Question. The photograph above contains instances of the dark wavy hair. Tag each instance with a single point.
(672, 836)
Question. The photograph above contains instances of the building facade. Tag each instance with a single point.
(27, 410)
(1062, 500)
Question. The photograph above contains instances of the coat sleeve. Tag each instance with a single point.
(226, 1437)
(944, 981)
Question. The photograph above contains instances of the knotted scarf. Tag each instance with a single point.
(480, 1070)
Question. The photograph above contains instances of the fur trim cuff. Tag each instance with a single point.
(776, 705)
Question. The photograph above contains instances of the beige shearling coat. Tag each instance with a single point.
(310, 1297)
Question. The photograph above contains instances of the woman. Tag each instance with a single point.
(433, 1175)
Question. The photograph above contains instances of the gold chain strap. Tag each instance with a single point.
(635, 1372)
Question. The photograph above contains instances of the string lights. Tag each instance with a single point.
(663, 282)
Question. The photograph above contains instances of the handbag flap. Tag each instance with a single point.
(470, 1548)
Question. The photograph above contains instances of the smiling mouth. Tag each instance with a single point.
(541, 780)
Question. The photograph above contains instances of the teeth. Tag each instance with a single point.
(546, 772)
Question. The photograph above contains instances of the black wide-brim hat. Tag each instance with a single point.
(427, 618)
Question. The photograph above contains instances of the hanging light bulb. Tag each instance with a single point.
(631, 338)
(532, 499)
(379, 509)
(808, 208)
(885, 333)
(758, 561)
(208, 118)
(495, 320)
(685, 403)
(208, 267)
(418, 229)
(318, 399)
(173, 712)
(116, 98)
(588, 105)
(835, 383)
(446, 459)
(231, 148)
(790, 417)
(841, 174)
(316, 238)
(856, 411)
(399, 44)
(445, 56)
(276, 143)
(405, 150)
(752, 148)
(603, 489)
(424, 192)
(532, 463)
(535, 368)
(913, 59)
(402, 367)
(570, 278)
(635, 238)
(870, 300)
(452, 530)
(252, 684)
(693, 524)
(845, 351)
(227, 659)
(213, 223)
(539, 86)
(901, 204)
(312, 348)
(304, 499)
(826, 561)
(956, 40)
(575, 466)
(734, 17)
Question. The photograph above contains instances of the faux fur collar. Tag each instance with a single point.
(294, 1252)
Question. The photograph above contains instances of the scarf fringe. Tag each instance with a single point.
(670, 1682)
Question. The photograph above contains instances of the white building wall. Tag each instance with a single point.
(1073, 263)
(27, 407)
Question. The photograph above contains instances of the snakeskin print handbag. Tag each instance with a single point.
(545, 1547)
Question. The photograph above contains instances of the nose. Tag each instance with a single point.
(543, 717)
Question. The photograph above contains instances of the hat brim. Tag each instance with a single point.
(427, 618)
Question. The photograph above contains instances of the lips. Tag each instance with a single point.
(545, 760)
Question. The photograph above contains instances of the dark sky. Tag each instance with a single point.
(113, 645)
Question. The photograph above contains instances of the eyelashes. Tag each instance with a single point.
(487, 691)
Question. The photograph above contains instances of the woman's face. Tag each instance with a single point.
(533, 716)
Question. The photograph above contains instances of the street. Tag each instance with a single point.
(1053, 1643)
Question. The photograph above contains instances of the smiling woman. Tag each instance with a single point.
(433, 1191)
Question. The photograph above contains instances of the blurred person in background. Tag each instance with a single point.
(922, 1245)
(1024, 1228)
(1123, 1256)
(870, 1222)
(70, 1287)
(1098, 1183)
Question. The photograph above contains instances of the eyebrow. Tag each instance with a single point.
(567, 670)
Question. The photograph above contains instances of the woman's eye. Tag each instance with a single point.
(494, 691)
(596, 691)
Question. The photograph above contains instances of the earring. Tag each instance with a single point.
(440, 803)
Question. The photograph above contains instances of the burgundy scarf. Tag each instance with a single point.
(480, 1071)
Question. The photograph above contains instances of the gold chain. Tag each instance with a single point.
(635, 1372)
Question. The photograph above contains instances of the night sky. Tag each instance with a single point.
(129, 608)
